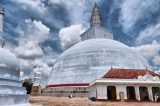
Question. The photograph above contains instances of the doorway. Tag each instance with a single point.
(143, 93)
(131, 93)
(155, 91)
(111, 92)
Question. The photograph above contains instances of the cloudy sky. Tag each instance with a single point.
(37, 31)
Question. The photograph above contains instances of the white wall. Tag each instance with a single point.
(99, 91)
(102, 91)
(93, 91)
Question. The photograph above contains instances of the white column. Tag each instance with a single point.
(117, 92)
(106, 93)
(121, 88)
(137, 93)
(150, 93)
(125, 92)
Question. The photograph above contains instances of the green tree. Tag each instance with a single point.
(28, 86)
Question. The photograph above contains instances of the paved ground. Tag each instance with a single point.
(52, 101)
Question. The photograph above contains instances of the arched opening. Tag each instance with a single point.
(131, 93)
(143, 93)
(111, 92)
(155, 91)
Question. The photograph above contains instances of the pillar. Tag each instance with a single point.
(125, 92)
(117, 92)
(137, 93)
(150, 93)
(119, 89)
(106, 92)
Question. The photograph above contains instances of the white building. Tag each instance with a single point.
(126, 84)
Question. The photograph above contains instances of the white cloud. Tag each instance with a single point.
(29, 51)
(3, 65)
(149, 34)
(32, 4)
(79, 10)
(134, 10)
(31, 35)
(148, 50)
(70, 35)
(156, 60)
(151, 53)
(42, 28)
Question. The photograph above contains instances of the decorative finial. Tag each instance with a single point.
(95, 3)
(96, 19)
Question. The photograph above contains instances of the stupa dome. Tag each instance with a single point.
(90, 59)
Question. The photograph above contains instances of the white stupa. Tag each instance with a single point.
(11, 91)
(89, 59)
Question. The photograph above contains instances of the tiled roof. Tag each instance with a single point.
(128, 73)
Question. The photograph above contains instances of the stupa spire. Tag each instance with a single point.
(96, 16)
(96, 29)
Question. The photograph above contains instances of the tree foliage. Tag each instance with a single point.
(28, 86)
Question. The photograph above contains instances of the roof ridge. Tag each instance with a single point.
(127, 73)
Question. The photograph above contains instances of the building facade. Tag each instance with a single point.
(129, 84)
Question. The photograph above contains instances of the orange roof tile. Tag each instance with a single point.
(128, 73)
